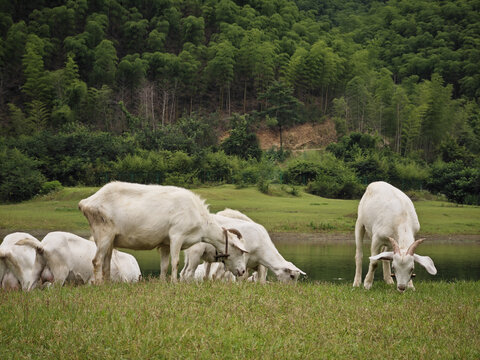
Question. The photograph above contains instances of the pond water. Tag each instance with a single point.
(333, 260)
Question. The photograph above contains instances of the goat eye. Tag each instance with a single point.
(292, 276)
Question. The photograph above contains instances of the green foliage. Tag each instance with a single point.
(335, 180)
(105, 63)
(51, 186)
(457, 182)
(216, 167)
(282, 106)
(407, 71)
(20, 178)
(353, 144)
(301, 172)
(242, 141)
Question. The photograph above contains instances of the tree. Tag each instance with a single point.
(281, 106)
(220, 69)
(37, 86)
(105, 64)
(241, 141)
(437, 114)
(193, 30)
(20, 178)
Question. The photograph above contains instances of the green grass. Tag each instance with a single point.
(160, 320)
(280, 212)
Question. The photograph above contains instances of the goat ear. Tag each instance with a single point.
(426, 262)
(235, 242)
(386, 255)
(294, 268)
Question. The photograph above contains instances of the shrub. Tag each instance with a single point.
(407, 174)
(217, 167)
(144, 167)
(458, 183)
(247, 175)
(301, 172)
(242, 140)
(20, 178)
(335, 180)
(50, 186)
(263, 185)
(370, 167)
(354, 144)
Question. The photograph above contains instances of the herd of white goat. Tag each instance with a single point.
(227, 245)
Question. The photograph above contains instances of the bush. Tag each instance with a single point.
(354, 144)
(370, 167)
(20, 178)
(247, 175)
(335, 180)
(242, 141)
(217, 167)
(51, 186)
(301, 172)
(407, 174)
(263, 185)
(68, 156)
(458, 183)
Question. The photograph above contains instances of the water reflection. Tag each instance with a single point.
(334, 261)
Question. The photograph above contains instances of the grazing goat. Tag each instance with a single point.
(20, 267)
(68, 258)
(262, 253)
(145, 217)
(388, 217)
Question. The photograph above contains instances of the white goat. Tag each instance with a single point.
(262, 253)
(216, 271)
(68, 258)
(20, 267)
(145, 217)
(388, 217)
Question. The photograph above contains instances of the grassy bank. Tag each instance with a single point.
(241, 321)
(279, 212)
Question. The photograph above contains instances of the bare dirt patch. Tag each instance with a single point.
(305, 136)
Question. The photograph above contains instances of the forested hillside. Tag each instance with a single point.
(165, 75)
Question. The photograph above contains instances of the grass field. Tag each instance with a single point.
(279, 212)
(158, 320)
(309, 320)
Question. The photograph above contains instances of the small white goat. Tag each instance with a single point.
(388, 217)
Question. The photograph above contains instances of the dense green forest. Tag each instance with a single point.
(92, 90)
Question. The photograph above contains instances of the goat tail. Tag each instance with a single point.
(33, 243)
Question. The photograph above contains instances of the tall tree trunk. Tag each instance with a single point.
(152, 107)
(245, 98)
(281, 137)
(165, 95)
(228, 99)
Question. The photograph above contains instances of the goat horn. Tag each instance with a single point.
(411, 249)
(236, 232)
(396, 248)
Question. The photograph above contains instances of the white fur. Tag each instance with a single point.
(216, 271)
(68, 258)
(386, 212)
(262, 253)
(145, 217)
(19, 265)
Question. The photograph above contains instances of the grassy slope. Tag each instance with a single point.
(278, 213)
(235, 321)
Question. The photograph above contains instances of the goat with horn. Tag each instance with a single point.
(388, 217)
